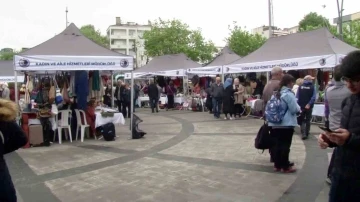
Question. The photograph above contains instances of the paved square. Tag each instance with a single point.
(185, 157)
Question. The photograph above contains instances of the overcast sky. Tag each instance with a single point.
(26, 23)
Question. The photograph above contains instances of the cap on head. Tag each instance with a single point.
(309, 78)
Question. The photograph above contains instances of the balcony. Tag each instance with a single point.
(118, 46)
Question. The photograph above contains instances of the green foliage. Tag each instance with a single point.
(313, 20)
(242, 42)
(7, 55)
(95, 35)
(331, 28)
(173, 37)
(351, 33)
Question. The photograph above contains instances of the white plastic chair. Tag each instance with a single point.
(80, 125)
(63, 123)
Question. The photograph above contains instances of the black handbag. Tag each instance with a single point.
(263, 139)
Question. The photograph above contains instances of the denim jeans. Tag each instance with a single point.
(306, 122)
(216, 106)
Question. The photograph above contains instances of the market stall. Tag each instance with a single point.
(168, 66)
(75, 59)
(317, 49)
(304, 50)
(215, 67)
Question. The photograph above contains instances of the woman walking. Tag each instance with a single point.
(228, 99)
(170, 92)
(12, 137)
(283, 132)
(239, 98)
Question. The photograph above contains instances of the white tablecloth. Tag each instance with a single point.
(118, 118)
(319, 110)
(179, 100)
(252, 103)
(143, 99)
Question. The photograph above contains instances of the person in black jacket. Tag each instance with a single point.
(126, 101)
(345, 176)
(153, 93)
(117, 95)
(12, 137)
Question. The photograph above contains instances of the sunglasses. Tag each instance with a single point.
(353, 81)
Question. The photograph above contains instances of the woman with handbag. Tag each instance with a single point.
(12, 137)
(228, 99)
(239, 97)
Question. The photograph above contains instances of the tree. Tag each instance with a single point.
(95, 35)
(351, 33)
(331, 28)
(242, 42)
(7, 55)
(173, 37)
(313, 20)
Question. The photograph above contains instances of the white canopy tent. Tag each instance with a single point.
(303, 50)
(71, 51)
(7, 72)
(215, 67)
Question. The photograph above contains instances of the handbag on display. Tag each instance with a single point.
(58, 96)
(52, 93)
(46, 81)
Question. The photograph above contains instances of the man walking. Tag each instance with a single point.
(153, 93)
(269, 89)
(217, 90)
(306, 96)
(334, 96)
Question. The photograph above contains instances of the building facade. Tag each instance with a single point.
(348, 18)
(264, 31)
(126, 38)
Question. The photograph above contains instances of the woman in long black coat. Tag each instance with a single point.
(228, 99)
(12, 137)
(208, 103)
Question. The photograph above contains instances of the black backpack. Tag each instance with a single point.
(263, 139)
(107, 131)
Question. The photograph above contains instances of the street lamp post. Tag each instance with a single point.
(340, 7)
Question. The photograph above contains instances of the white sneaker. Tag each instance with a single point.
(231, 118)
(225, 118)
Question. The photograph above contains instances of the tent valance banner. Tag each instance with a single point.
(11, 79)
(135, 75)
(169, 73)
(70, 63)
(205, 70)
(315, 62)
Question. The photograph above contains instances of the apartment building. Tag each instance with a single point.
(264, 31)
(126, 38)
(348, 18)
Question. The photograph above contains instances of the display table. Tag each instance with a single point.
(25, 117)
(178, 100)
(118, 118)
(318, 110)
(142, 99)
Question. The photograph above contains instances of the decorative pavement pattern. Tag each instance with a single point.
(185, 157)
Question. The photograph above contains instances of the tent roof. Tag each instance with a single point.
(303, 44)
(226, 56)
(70, 42)
(7, 68)
(168, 62)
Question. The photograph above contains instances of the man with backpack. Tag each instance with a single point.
(306, 96)
(270, 87)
